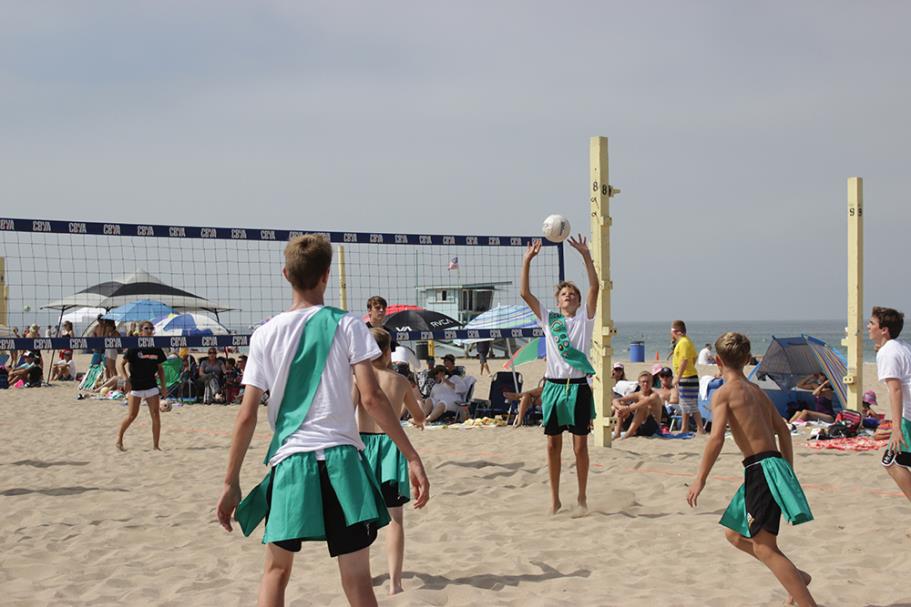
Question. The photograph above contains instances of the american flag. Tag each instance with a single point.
(454, 263)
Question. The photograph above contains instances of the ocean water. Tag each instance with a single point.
(657, 335)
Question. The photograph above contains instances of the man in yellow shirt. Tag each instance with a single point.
(687, 379)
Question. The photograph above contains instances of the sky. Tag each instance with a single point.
(733, 128)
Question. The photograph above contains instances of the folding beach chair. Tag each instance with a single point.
(90, 378)
(496, 403)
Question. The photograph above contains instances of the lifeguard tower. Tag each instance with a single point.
(462, 302)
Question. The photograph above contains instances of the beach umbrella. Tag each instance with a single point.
(81, 315)
(187, 324)
(419, 320)
(138, 285)
(141, 309)
(532, 351)
(504, 317)
(394, 309)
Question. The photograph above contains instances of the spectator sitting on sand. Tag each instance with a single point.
(64, 370)
(27, 370)
(822, 395)
(665, 388)
(639, 412)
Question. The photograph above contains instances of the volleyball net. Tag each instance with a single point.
(52, 270)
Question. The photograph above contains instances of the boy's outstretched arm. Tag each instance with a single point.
(534, 247)
(244, 427)
(594, 284)
(377, 406)
(712, 448)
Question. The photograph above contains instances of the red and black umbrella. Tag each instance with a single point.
(419, 320)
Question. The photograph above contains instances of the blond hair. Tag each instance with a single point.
(733, 349)
(382, 338)
(570, 284)
(307, 259)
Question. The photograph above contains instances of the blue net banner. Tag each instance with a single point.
(235, 341)
(52, 226)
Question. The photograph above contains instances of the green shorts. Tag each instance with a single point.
(389, 467)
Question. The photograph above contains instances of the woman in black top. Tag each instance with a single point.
(145, 368)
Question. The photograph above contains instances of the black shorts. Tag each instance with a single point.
(762, 509)
(647, 428)
(340, 538)
(391, 495)
(582, 413)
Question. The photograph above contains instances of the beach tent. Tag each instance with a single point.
(790, 359)
(138, 285)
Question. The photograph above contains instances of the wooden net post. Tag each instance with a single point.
(604, 330)
(853, 341)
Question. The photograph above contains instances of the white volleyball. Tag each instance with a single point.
(556, 228)
(26, 308)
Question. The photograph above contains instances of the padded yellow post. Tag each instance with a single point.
(854, 375)
(602, 352)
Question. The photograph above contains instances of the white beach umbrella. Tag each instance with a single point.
(81, 315)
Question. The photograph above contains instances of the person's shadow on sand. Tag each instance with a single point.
(486, 581)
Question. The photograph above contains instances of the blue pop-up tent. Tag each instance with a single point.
(790, 359)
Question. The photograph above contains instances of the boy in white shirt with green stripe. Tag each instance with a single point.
(319, 486)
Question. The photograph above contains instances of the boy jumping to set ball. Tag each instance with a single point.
(567, 400)
(384, 459)
(770, 487)
(319, 486)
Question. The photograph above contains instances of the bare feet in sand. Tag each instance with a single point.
(807, 578)
(156, 448)
(397, 589)
(119, 446)
(555, 508)
(580, 510)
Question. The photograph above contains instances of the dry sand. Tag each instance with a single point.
(85, 524)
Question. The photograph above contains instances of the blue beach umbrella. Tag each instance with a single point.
(141, 309)
(189, 324)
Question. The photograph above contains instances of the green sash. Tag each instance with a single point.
(574, 358)
(303, 381)
(562, 398)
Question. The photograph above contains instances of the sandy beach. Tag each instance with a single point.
(87, 525)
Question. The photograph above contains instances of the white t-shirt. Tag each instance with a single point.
(331, 420)
(705, 357)
(442, 393)
(893, 361)
(579, 328)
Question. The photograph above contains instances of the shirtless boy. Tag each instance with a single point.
(384, 458)
(640, 411)
(753, 517)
